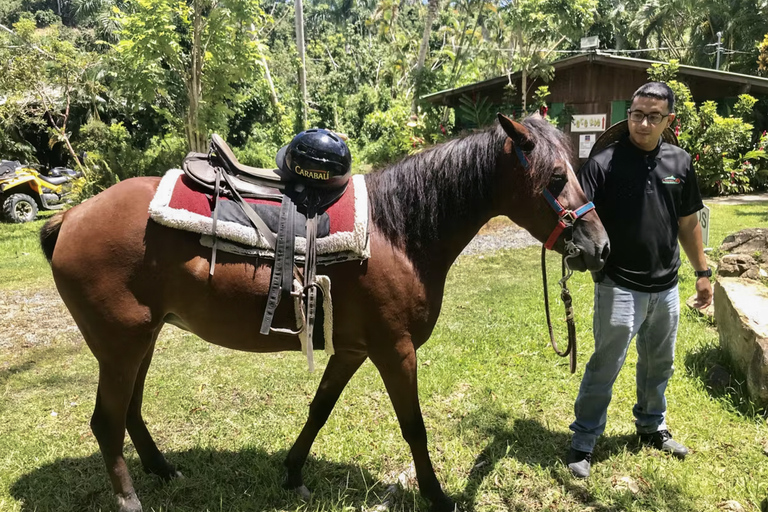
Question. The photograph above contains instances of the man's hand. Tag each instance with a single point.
(703, 293)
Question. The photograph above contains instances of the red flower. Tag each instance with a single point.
(442, 128)
(677, 130)
(544, 110)
(731, 177)
(697, 157)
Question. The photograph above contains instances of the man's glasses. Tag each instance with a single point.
(637, 116)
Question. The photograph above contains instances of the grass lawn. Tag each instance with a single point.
(497, 404)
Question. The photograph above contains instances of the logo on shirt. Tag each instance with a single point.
(670, 180)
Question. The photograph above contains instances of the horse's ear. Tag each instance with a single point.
(517, 132)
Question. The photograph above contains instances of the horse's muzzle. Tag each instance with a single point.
(591, 256)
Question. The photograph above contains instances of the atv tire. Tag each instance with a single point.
(18, 208)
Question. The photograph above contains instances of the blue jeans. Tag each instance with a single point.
(620, 314)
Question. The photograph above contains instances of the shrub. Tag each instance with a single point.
(164, 152)
(725, 158)
(46, 18)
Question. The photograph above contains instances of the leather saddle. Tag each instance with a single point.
(220, 174)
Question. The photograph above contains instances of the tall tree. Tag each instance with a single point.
(432, 7)
(187, 58)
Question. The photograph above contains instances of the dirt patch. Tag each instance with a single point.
(34, 317)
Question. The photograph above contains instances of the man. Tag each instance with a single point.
(646, 195)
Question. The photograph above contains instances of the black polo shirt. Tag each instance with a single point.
(639, 197)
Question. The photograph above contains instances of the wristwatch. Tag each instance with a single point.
(703, 273)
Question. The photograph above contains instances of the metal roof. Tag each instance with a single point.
(756, 84)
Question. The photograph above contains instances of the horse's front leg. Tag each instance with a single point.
(341, 367)
(398, 370)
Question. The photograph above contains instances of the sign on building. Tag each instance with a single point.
(588, 123)
(703, 216)
(586, 141)
(588, 43)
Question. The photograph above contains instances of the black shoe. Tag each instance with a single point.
(579, 462)
(662, 440)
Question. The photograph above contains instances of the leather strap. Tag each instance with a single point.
(257, 221)
(310, 285)
(281, 280)
(216, 191)
(565, 296)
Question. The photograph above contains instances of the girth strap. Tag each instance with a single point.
(282, 270)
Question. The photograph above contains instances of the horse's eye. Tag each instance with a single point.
(559, 180)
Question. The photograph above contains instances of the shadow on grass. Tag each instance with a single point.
(44, 357)
(711, 366)
(533, 444)
(247, 480)
(760, 216)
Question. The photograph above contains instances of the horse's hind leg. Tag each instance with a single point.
(151, 458)
(398, 371)
(341, 367)
(117, 375)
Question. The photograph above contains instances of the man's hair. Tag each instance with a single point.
(657, 90)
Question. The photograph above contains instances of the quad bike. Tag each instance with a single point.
(24, 190)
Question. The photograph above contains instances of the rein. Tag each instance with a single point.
(566, 220)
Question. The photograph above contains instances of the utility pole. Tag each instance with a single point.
(718, 49)
(299, 8)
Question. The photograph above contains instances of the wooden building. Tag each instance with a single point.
(596, 88)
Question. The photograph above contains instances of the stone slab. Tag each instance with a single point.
(741, 313)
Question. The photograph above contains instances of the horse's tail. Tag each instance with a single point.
(49, 233)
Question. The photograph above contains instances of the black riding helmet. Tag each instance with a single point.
(317, 158)
(317, 164)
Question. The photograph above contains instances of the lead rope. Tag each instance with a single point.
(565, 296)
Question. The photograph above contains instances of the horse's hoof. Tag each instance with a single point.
(128, 503)
(303, 492)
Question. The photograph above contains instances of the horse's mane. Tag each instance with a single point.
(414, 199)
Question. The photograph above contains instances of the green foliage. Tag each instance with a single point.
(664, 72)
(476, 111)
(187, 59)
(390, 135)
(164, 152)
(386, 136)
(257, 153)
(46, 18)
(725, 158)
(744, 106)
(539, 98)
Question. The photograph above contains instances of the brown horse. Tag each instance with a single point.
(123, 276)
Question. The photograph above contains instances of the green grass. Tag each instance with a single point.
(21, 260)
(497, 404)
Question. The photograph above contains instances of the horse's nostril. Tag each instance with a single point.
(606, 252)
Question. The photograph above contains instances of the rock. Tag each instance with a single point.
(733, 505)
(753, 241)
(738, 265)
(743, 326)
(708, 311)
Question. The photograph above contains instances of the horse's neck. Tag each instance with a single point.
(454, 232)
(456, 235)
(434, 203)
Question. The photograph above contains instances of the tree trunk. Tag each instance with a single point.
(268, 75)
(195, 139)
(432, 9)
(299, 8)
(524, 87)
